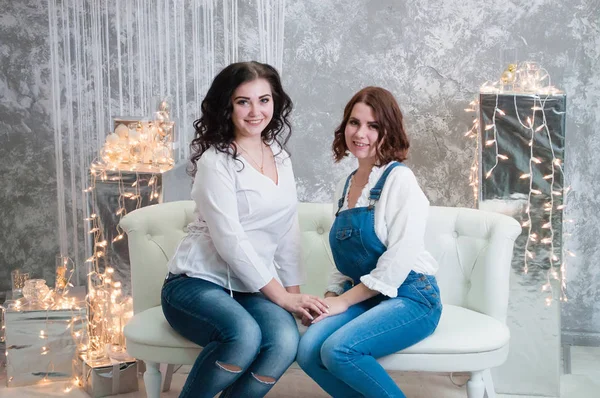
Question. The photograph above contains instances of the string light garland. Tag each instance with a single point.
(109, 311)
(529, 79)
(145, 149)
(99, 332)
(144, 145)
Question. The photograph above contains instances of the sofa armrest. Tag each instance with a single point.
(153, 233)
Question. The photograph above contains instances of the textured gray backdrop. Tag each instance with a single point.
(433, 55)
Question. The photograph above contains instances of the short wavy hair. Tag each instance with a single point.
(215, 127)
(392, 141)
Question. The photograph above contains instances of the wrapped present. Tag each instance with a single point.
(104, 377)
(41, 343)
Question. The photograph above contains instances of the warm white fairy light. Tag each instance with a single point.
(474, 170)
(109, 311)
(143, 145)
(536, 123)
(118, 238)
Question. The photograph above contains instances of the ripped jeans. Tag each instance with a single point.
(248, 340)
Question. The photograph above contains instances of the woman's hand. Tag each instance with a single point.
(305, 305)
(337, 305)
(296, 303)
(306, 321)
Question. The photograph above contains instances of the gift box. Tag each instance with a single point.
(105, 377)
(39, 343)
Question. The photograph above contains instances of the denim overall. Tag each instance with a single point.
(354, 244)
(356, 247)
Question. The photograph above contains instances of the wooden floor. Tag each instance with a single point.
(584, 382)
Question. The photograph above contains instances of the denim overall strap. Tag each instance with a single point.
(375, 193)
(341, 200)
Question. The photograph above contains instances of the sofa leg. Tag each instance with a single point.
(489, 383)
(475, 385)
(152, 379)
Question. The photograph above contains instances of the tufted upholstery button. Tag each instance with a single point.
(149, 236)
(186, 229)
(320, 231)
(455, 234)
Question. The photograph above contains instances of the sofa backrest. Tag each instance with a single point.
(473, 247)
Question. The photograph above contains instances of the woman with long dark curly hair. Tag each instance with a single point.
(234, 280)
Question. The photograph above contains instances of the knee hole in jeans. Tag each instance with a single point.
(229, 368)
(264, 379)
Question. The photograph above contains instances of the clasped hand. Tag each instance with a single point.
(335, 304)
(305, 305)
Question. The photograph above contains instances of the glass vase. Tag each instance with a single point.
(61, 272)
(35, 290)
(18, 280)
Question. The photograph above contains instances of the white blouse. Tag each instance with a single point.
(246, 230)
(400, 220)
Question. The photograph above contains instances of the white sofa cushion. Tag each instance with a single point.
(462, 331)
(160, 334)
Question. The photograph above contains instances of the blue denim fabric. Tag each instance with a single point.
(247, 331)
(340, 352)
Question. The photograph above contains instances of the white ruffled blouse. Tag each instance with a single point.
(400, 220)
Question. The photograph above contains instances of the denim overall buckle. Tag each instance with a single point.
(371, 204)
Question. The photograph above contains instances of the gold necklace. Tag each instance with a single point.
(262, 156)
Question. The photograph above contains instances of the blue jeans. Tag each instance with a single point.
(340, 352)
(248, 333)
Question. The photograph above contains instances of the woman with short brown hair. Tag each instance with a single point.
(382, 294)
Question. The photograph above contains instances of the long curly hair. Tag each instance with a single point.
(392, 142)
(215, 127)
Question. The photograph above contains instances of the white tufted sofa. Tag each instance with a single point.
(474, 249)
